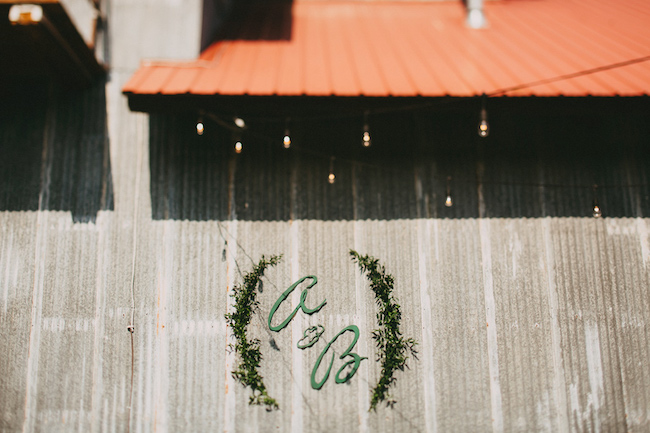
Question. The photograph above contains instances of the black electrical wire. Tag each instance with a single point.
(438, 104)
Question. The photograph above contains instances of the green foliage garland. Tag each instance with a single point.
(392, 347)
(249, 351)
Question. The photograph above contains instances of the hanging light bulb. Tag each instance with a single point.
(366, 139)
(286, 141)
(448, 200)
(483, 126)
(596, 210)
(239, 122)
(236, 137)
(331, 177)
(597, 213)
(366, 131)
(200, 128)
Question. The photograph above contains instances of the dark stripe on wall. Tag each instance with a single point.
(531, 165)
(56, 142)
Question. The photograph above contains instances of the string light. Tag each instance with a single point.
(501, 91)
(366, 130)
(238, 147)
(483, 126)
(237, 133)
(238, 143)
(286, 141)
(448, 201)
(596, 211)
(483, 130)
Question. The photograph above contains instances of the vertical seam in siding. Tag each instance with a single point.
(490, 316)
(559, 383)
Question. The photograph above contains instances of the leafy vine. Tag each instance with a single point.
(246, 371)
(392, 347)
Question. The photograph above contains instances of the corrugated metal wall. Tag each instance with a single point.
(530, 315)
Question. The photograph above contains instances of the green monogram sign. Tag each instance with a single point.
(313, 333)
(392, 347)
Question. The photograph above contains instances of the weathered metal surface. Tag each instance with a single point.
(567, 350)
(525, 322)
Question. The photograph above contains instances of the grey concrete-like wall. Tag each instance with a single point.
(523, 324)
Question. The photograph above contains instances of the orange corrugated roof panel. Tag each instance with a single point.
(351, 48)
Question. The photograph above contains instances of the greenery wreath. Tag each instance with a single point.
(392, 347)
(246, 370)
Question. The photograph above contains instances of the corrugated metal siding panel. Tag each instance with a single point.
(78, 168)
(419, 49)
(20, 166)
(525, 343)
(17, 264)
(589, 323)
(458, 306)
(202, 168)
(61, 344)
(62, 159)
(187, 329)
(546, 168)
(438, 264)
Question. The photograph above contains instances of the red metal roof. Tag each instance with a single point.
(352, 48)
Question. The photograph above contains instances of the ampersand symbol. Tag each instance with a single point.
(312, 335)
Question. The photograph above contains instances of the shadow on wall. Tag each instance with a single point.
(54, 150)
(545, 169)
